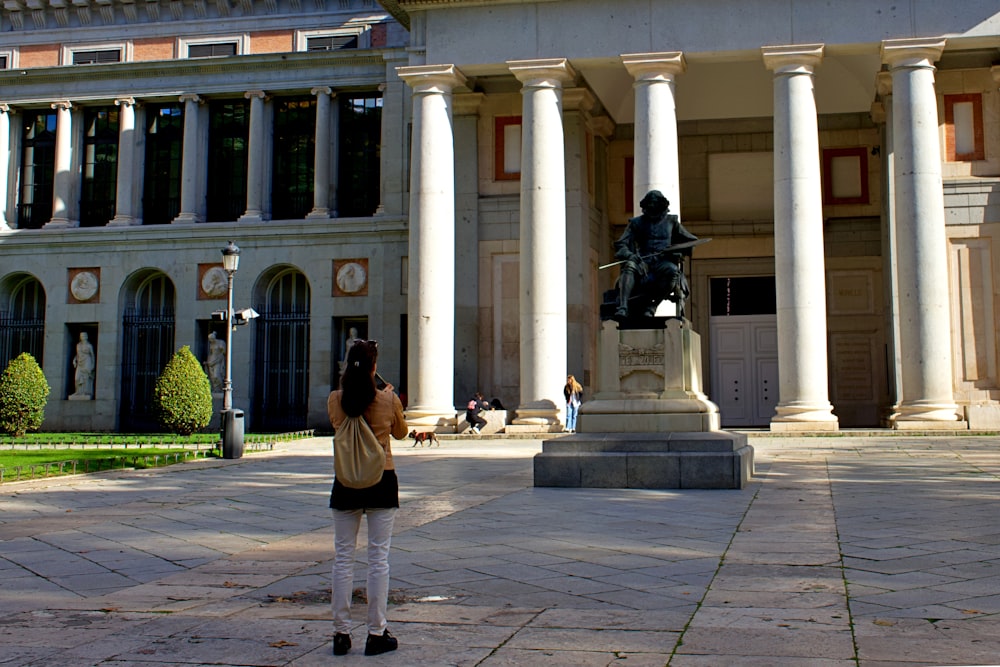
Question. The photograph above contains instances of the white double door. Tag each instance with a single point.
(744, 366)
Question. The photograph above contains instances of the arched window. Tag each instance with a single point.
(22, 318)
(281, 353)
(147, 345)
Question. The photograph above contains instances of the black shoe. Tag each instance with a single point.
(382, 643)
(341, 643)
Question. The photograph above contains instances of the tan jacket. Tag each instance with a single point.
(384, 415)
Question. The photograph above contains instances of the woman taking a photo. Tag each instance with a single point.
(384, 413)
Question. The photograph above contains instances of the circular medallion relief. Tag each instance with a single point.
(84, 285)
(213, 282)
(351, 277)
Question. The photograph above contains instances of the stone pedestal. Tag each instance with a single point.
(648, 381)
(711, 460)
(649, 426)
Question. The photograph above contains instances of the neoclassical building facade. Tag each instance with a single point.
(447, 176)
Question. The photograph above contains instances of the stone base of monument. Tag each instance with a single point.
(649, 425)
(711, 460)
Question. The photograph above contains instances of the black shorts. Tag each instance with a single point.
(383, 495)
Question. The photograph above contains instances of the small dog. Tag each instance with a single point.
(424, 438)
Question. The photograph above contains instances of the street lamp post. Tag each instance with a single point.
(232, 420)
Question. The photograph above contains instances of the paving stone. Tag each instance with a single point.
(488, 570)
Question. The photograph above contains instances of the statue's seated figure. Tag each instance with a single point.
(652, 267)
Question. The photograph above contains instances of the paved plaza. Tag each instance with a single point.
(843, 551)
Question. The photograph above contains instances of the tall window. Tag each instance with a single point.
(161, 200)
(100, 166)
(294, 151)
(38, 160)
(228, 132)
(360, 151)
(22, 319)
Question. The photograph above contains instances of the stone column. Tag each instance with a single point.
(927, 400)
(321, 167)
(431, 299)
(799, 265)
(255, 158)
(657, 166)
(189, 164)
(125, 187)
(4, 164)
(882, 115)
(542, 242)
(62, 185)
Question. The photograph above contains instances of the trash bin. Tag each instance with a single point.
(232, 434)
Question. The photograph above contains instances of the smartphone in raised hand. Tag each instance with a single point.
(380, 382)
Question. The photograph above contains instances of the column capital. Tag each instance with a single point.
(321, 90)
(255, 94)
(431, 78)
(125, 101)
(545, 72)
(578, 99)
(919, 52)
(995, 71)
(4, 108)
(61, 104)
(792, 59)
(883, 84)
(655, 66)
(190, 97)
(601, 126)
(467, 104)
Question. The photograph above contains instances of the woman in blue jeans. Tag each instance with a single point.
(573, 393)
(384, 413)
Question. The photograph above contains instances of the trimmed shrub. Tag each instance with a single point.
(23, 395)
(183, 395)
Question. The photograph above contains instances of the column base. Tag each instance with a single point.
(438, 420)
(915, 425)
(61, 223)
(926, 412)
(321, 213)
(123, 221)
(540, 419)
(251, 216)
(804, 426)
(186, 219)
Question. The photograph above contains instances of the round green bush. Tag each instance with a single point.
(23, 395)
(183, 395)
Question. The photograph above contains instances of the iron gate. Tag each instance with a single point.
(147, 345)
(19, 335)
(281, 370)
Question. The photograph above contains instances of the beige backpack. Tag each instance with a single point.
(358, 457)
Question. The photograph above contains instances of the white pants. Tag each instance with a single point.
(346, 524)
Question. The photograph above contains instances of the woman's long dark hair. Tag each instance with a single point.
(356, 381)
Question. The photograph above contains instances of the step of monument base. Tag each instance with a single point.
(705, 460)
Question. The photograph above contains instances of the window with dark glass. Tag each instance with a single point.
(100, 166)
(753, 295)
(332, 43)
(161, 195)
(360, 137)
(38, 159)
(3, 62)
(96, 57)
(228, 132)
(211, 50)
(294, 151)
